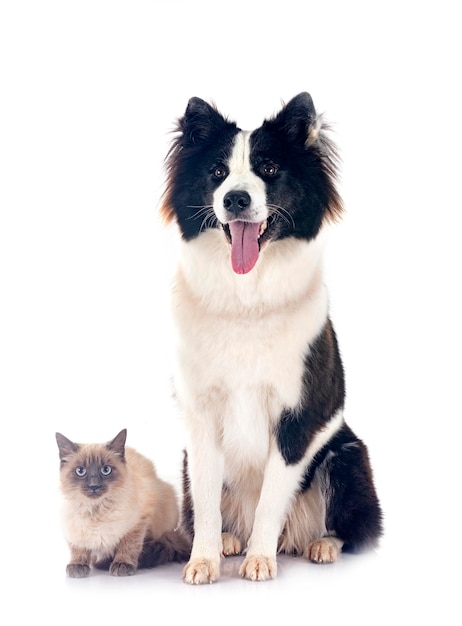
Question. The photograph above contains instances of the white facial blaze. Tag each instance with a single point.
(242, 178)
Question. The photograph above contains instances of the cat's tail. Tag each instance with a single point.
(172, 546)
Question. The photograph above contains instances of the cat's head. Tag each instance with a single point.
(91, 469)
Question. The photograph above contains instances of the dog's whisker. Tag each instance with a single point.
(209, 218)
(282, 213)
(209, 221)
(206, 211)
(202, 209)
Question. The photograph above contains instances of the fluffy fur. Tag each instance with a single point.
(115, 508)
(271, 465)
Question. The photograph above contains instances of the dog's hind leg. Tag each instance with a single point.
(353, 514)
(324, 550)
(231, 544)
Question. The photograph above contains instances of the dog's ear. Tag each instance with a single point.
(298, 120)
(202, 122)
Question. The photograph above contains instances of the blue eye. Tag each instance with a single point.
(80, 471)
(106, 470)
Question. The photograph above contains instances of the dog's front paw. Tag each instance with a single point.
(200, 571)
(258, 567)
(231, 544)
(325, 550)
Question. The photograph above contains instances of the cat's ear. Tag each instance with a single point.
(118, 443)
(66, 446)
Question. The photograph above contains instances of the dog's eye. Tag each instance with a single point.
(269, 169)
(219, 171)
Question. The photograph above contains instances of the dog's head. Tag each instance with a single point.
(259, 187)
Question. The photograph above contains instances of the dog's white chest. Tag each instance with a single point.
(256, 361)
(242, 342)
(246, 428)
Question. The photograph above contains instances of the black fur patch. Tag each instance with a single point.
(204, 141)
(303, 186)
(323, 395)
(353, 509)
(187, 521)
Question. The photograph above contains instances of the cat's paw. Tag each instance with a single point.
(122, 569)
(231, 544)
(77, 570)
(258, 567)
(200, 571)
(325, 550)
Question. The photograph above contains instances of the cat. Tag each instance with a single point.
(115, 509)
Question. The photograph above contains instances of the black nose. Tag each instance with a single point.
(236, 201)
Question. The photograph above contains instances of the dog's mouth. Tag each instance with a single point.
(246, 239)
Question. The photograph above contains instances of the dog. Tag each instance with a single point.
(270, 466)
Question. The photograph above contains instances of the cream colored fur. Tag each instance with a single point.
(139, 504)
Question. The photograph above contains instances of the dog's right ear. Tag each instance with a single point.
(202, 122)
(200, 126)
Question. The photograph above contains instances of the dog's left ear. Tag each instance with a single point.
(298, 119)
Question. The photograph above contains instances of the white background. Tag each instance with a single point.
(89, 94)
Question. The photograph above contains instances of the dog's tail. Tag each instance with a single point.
(172, 546)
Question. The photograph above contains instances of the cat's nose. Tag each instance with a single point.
(94, 483)
(94, 490)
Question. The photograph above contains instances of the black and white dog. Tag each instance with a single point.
(271, 465)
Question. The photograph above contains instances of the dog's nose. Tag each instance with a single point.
(236, 201)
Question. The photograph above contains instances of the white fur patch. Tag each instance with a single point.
(242, 178)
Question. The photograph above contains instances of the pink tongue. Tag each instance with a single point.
(244, 245)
